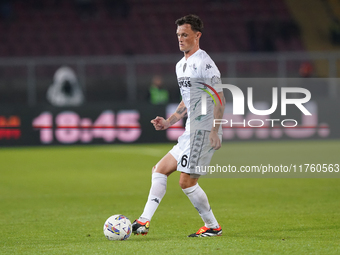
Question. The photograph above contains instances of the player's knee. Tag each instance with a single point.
(184, 184)
(153, 169)
(187, 181)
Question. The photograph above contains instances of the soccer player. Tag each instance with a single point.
(194, 71)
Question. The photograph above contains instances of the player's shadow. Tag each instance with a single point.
(173, 239)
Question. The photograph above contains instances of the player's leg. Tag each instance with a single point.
(200, 154)
(160, 172)
(200, 201)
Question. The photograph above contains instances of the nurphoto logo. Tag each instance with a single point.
(238, 103)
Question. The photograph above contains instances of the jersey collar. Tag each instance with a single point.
(196, 52)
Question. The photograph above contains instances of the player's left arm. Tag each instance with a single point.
(215, 141)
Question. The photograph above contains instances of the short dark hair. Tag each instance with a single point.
(193, 20)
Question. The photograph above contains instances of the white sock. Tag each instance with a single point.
(200, 201)
(157, 192)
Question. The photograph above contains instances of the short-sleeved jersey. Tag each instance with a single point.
(198, 68)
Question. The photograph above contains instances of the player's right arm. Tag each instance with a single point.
(161, 124)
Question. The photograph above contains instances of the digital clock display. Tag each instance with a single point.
(69, 127)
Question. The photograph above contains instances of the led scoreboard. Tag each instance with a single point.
(69, 127)
(91, 124)
(128, 123)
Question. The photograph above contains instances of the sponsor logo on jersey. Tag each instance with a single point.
(184, 82)
(208, 66)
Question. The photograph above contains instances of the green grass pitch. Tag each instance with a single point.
(55, 200)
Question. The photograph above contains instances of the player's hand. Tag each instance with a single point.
(214, 140)
(160, 123)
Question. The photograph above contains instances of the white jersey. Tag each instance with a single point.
(199, 67)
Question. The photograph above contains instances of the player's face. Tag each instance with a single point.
(187, 38)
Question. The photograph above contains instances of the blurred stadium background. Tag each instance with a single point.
(115, 48)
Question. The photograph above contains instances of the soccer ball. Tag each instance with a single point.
(117, 227)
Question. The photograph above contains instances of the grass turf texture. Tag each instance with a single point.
(55, 200)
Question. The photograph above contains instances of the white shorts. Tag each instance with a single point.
(191, 157)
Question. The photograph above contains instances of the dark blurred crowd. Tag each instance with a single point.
(263, 34)
(85, 8)
(115, 8)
